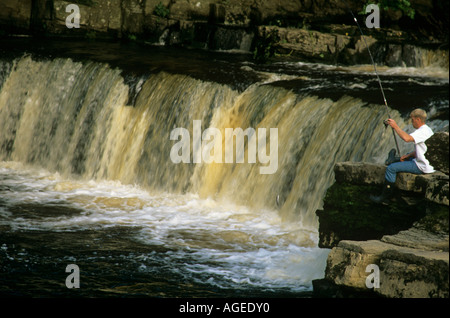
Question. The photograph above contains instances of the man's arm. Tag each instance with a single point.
(405, 136)
(407, 156)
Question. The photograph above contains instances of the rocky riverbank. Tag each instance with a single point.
(313, 30)
(408, 240)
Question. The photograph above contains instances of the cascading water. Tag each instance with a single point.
(73, 118)
(86, 171)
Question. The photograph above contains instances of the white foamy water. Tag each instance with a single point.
(434, 71)
(233, 247)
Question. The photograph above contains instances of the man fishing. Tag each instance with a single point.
(414, 162)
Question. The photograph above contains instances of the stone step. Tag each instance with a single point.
(403, 271)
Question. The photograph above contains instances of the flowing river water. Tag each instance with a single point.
(86, 175)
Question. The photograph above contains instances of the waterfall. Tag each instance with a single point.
(73, 118)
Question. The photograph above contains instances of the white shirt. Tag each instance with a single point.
(420, 136)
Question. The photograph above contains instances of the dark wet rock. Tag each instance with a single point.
(438, 151)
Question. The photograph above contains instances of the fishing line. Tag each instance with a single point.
(376, 73)
(278, 199)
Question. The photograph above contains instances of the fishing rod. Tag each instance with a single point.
(376, 73)
(278, 198)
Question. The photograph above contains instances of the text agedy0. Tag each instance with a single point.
(234, 307)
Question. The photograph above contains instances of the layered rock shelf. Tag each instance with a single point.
(407, 240)
(322, 31)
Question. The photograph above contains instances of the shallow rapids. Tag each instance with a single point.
(127, 241)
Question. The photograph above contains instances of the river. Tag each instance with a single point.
(87, 177)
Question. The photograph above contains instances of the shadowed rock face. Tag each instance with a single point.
(437, 152)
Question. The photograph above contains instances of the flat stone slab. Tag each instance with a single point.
(419, 239)
(403, 271)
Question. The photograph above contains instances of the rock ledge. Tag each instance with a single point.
(407, 241)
